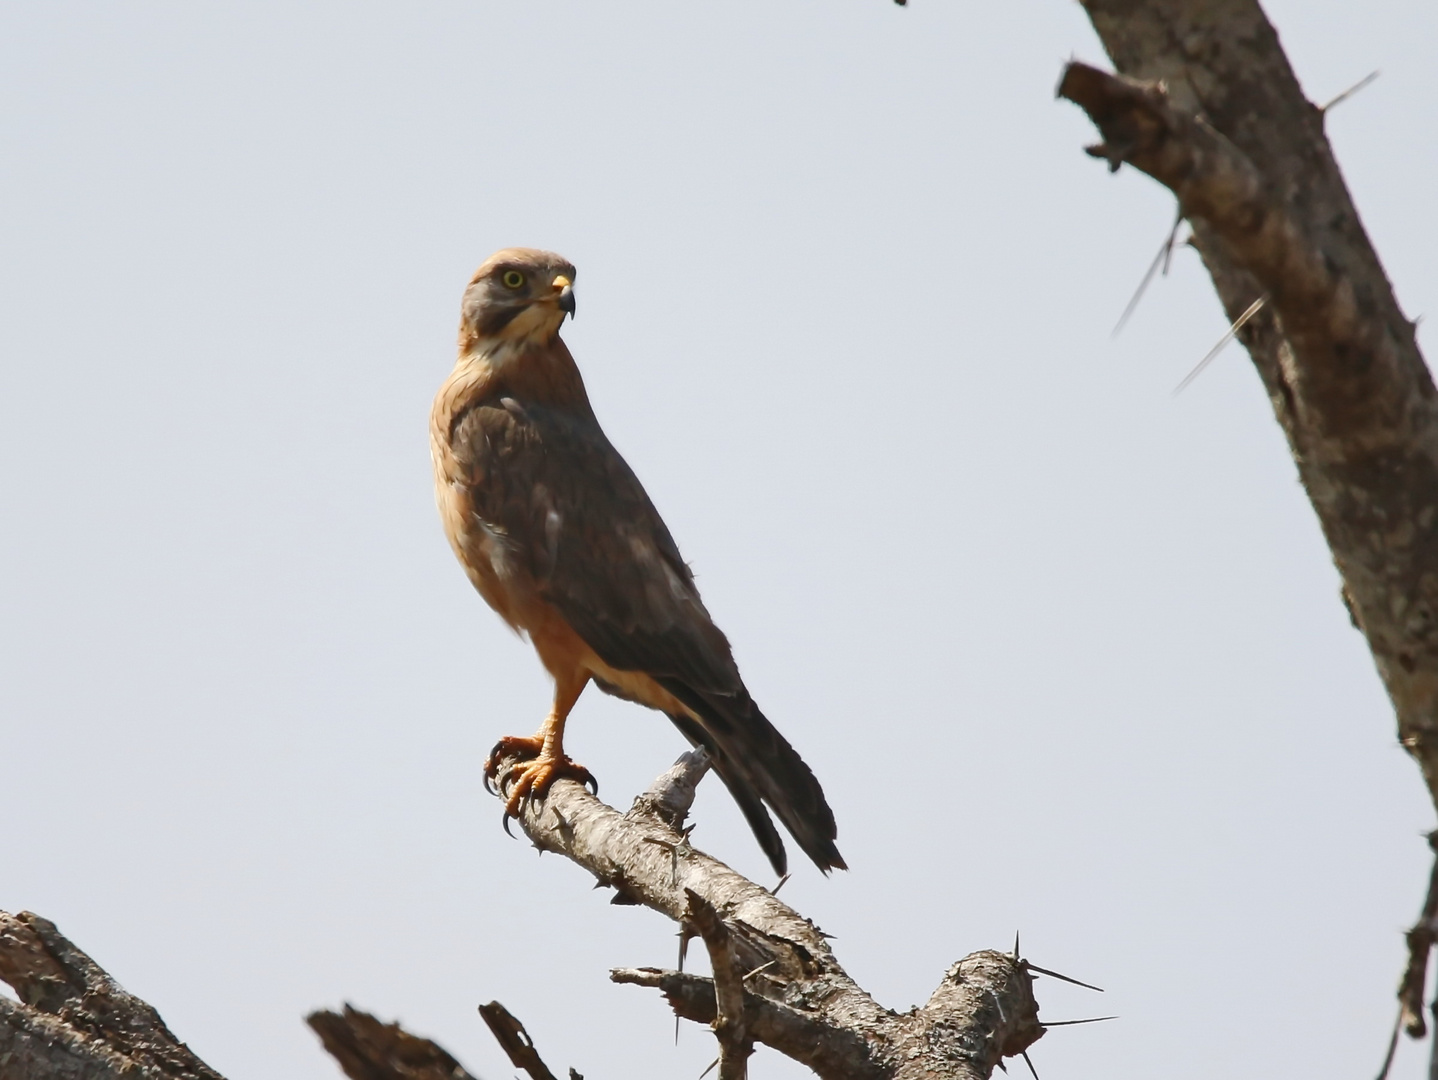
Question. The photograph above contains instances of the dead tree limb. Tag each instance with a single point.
(778, 981)
(73, 1021)
(731, 1022)
(367, 1048)
(1421, 939)
(516, 1043)
(1206, 103)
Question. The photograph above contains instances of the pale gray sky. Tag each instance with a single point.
(1065, 650)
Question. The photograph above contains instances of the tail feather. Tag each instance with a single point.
(743, 792)
(759, 766)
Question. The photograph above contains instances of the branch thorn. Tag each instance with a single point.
(1392, 1047)
(1065, 978)
(1253, 309)
(1359, 85)
(1161, 261)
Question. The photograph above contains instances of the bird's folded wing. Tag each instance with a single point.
(579, 521)
(576, 516)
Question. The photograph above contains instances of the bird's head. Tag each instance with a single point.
(516, 299)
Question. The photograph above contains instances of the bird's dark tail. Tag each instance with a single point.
(758, 766)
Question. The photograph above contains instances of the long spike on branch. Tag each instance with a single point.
(1361, 84)
(1242, 321)
(1160, 261)
(1392, 1047)
(1065, 978)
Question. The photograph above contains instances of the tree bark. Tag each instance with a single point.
(1206, 103)
(778, 981)
(1210, 108)
(74, 1022)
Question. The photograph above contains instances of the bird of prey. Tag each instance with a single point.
(558, 536)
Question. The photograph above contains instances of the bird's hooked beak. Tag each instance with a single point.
(565, 298)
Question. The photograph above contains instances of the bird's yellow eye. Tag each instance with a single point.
(512, 279)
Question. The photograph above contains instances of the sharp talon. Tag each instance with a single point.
(523, 785)
(504, 820)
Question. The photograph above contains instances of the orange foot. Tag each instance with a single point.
(531, 779)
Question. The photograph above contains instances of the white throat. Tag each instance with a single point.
(533, 328)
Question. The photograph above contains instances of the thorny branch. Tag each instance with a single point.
(731, 1025)
(1205, 102)
(778, 981)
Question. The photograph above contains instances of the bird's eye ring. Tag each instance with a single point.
(512, 279)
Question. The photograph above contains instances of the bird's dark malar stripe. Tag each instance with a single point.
(502, 318)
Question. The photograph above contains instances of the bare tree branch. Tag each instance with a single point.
(810, 1040)
(1421, 939)
(779, 982)
(74, 1022)
(369, 1049)
(1206, 103)
(515, 1042)
(672, 793)
(731, 1025)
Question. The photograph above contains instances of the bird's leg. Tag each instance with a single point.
(544, 750)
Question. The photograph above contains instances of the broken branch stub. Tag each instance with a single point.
(366, 1048)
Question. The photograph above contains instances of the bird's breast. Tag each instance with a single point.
(484, 552)
(470, 473)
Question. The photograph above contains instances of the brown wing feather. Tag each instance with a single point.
(576, 517)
